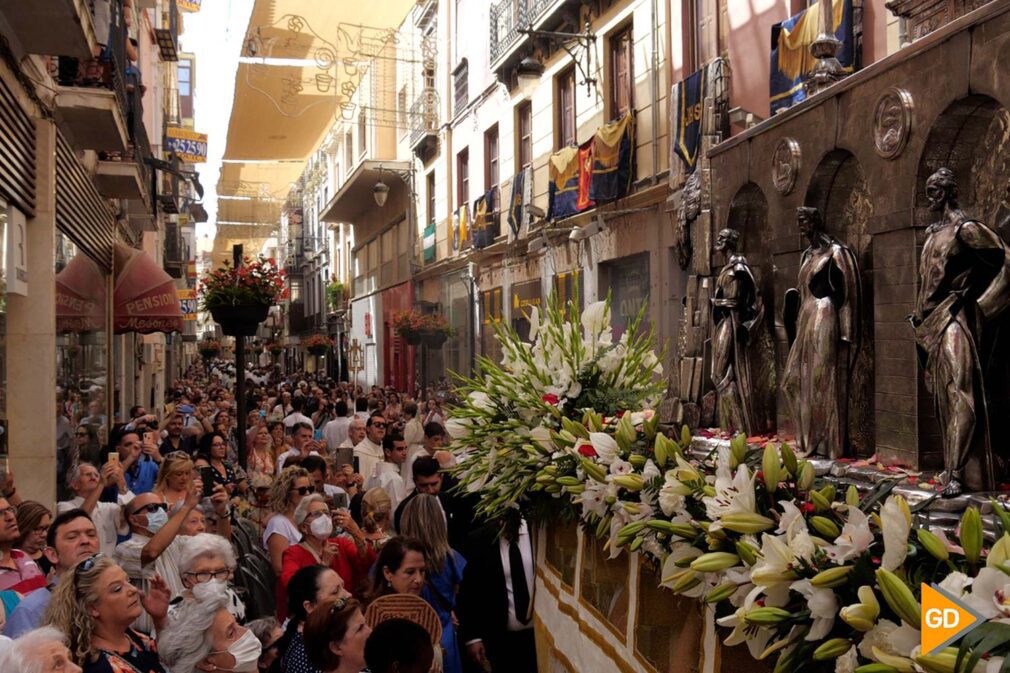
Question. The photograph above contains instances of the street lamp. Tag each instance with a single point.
(530, 69)
(380, 192)
(528, 72)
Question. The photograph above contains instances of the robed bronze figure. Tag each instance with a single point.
(737, 317)
(963, 282)
(822, 319)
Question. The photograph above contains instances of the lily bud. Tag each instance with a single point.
(771, 468)
(832, 649)
(632, 482)
(593, 470)
(821, 503)
(899, 597)
(789, 459)
(714, 562)
(631, 529)
(858, 616)
(685, 580)
(829, 493)
(825, 526)
(684, 530)
(746, 522)
(805, 475)
(852, 496)
(738, 449)
(721, 592)
(637, 459)
(662, 450)
(876, 668)
(746, 553)
(999, 554)
(569, 481)
(900, 664)
(971, 534)
(766, 616)
(942, 662)
(932, 544)
(685, 437)
(832, 577)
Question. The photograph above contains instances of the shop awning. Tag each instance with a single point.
(80, 296)
(144, 297)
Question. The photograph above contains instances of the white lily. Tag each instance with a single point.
(990, 594)
(650, 471)
(888, 638)
(481, 400)
(606, 447)
(680, 552)
(595, 317)
(671, 494)
(593, 499)
(776, 563)
(848, 662)
(534, 323)
(733, 494)
(542, 436)
(621, 467)
(790, 513)
(756, 637)
(855, 538)
(956, 584)
(896, 523)
(823, 605)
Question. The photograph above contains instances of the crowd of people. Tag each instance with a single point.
(165, 554)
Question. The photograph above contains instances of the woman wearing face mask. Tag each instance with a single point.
(208, 558)
(202, 635)
(336, 634)
(308, 588)
(318, 547)
(94, 604)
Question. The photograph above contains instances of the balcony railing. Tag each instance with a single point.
(173, 261)
(424, 116)
(508, 17)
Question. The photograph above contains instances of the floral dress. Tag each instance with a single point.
(142, 658)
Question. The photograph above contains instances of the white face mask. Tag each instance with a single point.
(246, 650)
(322, 526)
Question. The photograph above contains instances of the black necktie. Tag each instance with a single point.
(520, 591)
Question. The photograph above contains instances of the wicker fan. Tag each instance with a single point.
(405, 606)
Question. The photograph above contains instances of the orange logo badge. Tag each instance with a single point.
(944, 619)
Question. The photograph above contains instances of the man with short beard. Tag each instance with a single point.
(72, 537)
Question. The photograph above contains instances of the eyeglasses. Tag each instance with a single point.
(9, 510)
(378, 425)
(150, 509)
(304, 490)
(201, 577)
(81, 434)
(314, 515)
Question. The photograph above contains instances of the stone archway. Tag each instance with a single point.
(839, 190)
(748, 214)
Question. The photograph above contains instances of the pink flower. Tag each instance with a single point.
(550, 398)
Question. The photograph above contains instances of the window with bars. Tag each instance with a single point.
(460, 86)
(401, 109)
(566, 109)
(524, 135)
(491, 174)
(621, 73)
(349, 150)
(463, 177)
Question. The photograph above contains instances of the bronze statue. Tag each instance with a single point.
(822, 319)
(687, 212)
(737, 316)
(963, 282)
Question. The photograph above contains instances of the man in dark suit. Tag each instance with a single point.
(496, 599)
(429, 479)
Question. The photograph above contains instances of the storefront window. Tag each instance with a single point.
(628, 282)
(85, 408)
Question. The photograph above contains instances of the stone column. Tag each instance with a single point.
(31, 341)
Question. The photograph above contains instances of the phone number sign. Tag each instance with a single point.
(188, 145)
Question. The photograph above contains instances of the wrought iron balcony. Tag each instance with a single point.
(174, 263)
(424, 124)
(508, 18)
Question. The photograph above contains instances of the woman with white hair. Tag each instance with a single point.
(202, 635)
(208, 558)
(43, 650)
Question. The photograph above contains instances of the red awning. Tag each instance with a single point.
(80, 296)
(145, 299)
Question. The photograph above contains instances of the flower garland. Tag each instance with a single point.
(563, 428)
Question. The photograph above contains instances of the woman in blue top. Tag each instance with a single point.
(424, 519)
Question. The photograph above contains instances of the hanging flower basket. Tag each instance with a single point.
(241, 319)
(434, 338)
(317, 344)
(209, 349)
(275, 348)
(412, 338)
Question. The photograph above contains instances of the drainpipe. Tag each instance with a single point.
(653, 88)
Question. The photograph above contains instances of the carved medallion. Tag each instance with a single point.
(892, 122)
(786, 165)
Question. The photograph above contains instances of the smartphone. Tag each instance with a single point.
(340, 501)
(263, 413)
(114, 457)
(207, 476)
(357, 465)
(344, 456)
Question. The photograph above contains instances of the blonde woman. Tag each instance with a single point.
(174, 478)
(94, 604)
(263, 457)
(424, 520)
(376, 518)
(292, 484)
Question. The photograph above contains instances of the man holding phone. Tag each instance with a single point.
(139, 459)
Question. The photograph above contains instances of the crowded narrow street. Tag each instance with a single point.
(504, 336)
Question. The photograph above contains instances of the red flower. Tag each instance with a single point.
(807, 507)
(550, 398)
(587, 450)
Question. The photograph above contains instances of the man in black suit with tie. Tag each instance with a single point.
(496, 599)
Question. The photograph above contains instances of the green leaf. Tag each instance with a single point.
(879, 492)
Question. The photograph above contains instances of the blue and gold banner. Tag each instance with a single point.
(519, 202)
(485, 220)
(461, 228)
(791, 60)
(613, 147)
(689, 103)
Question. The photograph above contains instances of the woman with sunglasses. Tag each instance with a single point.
(174, 478)
(308, 588)
(33, 525)
(318, 547)
(95, 604)
(335, 636)
(291, 485)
